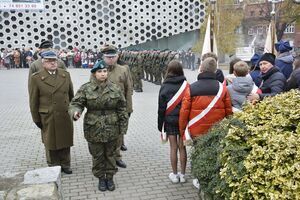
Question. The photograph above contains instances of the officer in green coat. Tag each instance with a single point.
(120, 75)
(105, 120)
(37, 64)
(50, 92)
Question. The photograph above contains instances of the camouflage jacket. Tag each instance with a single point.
(106, 117)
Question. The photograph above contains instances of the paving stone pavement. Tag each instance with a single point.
(146, 176)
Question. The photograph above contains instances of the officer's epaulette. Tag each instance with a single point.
(64, 70)
(35, 73)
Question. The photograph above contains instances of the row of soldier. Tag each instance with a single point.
(147, 65)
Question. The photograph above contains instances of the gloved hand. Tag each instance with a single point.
(39, 125)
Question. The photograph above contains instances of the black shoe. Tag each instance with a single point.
(67, 170)
(139, 90)
(123, 147)
(110, 185)
(120, 163)
(102, 184)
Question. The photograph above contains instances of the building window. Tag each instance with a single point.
(260, 30)
(250, 31)
(290, 28)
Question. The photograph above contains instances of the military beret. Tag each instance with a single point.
(46, 44)
(100, 64)
(49, 54)
(109, 50)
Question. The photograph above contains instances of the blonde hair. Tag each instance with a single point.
(208, 65)
(241, 68)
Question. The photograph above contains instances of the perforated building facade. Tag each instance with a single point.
(90, 23)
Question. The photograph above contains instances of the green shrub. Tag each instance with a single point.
(253, 155)
(270, 144)
(205, 162)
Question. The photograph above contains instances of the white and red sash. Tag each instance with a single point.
(256, 90)
(187, 139)
(174, 101)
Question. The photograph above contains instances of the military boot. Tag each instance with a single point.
(102, 184)
(139, 90)
(110, 184)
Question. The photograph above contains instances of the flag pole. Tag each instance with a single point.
(212, 24)
(273, 27)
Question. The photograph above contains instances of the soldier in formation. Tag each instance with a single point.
(148, 65)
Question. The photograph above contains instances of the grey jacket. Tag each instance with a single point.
(240, 88)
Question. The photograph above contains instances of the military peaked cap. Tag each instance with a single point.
(46, 44)
(49, 54)
(109, 50)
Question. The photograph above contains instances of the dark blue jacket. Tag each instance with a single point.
(294, 81)
(273, 83)
(285, 63)
(256, 77)
(168, 89)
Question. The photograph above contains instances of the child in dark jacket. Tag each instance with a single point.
(169, 104)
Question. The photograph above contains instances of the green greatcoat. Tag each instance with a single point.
(106, 117)
(37, 66)
(49, 99)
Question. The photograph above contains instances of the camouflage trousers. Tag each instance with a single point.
(137, 82)
(120, 141)
(104, 158)
(60, 157)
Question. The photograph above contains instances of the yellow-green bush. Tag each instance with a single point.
(253, 155)
(271, 140)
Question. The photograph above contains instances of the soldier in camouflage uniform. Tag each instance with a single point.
(105, 120)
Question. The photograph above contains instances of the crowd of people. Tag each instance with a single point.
(185, 110)
(148, 65)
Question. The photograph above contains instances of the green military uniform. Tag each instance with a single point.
(119, 75)
(105, 120)
(49, 99)
(37, 66)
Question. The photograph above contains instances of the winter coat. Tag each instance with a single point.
(294, 81)
(106, 117)
(197, 98)
(49, 100)
(273, 83)
(121, 76)
(256, 76)
(240, 88)
(285, 63)
(38, 66)
(168, 89)
(219, 75)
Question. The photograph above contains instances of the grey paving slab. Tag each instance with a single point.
(146, 176)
